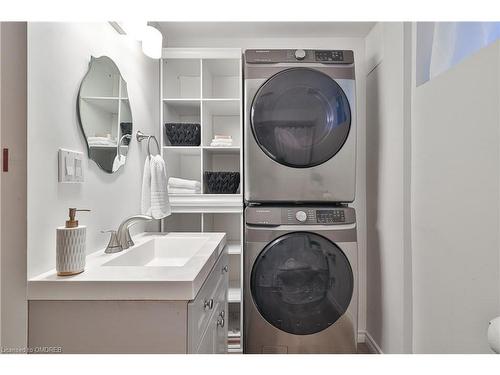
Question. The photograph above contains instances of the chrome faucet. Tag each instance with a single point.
(121, 239)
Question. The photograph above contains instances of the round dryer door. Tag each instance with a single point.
(302, 283)
(300, 117)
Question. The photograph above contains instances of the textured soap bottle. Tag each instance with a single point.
(70, 250)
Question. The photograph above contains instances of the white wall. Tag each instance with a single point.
(388, 249)
(58, 57)
(13, 186)
(455, 206)
(358, 46)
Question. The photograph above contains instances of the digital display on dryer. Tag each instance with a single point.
(330, 216)
(329, 55)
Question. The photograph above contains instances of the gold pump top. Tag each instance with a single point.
(72, 223)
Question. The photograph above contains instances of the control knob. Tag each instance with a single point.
(301, 216)
(300, 54)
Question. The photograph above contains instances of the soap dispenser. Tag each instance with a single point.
(70, 250)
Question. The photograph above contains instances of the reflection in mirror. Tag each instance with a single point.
(104, 114)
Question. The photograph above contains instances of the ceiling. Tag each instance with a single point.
(190, 30)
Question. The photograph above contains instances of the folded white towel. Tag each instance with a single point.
(100, 138)
(93, 143)
(221, 141)
(220, 144)
(173, 190)
(154, 200)
(183, 183)
(101, 141)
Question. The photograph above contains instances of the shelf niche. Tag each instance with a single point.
(181, 78)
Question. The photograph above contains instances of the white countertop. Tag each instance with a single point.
(102, 282)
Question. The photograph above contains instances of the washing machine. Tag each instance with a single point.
(299, 126)
(300, 280)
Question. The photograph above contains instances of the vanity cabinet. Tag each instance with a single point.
(207, 328)
(214, 339)
(131, 326)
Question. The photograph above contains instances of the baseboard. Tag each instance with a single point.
(365, 337)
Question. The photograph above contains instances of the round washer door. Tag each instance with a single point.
(302, 283)
(300, 117)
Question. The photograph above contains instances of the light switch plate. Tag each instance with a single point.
(70, 166)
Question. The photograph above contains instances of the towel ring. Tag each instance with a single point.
(141, 136)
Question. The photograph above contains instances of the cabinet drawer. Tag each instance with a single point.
(201, 309)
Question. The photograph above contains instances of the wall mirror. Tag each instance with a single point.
(104, 113)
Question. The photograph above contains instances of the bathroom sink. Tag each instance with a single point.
(167, 251)
(160, 266)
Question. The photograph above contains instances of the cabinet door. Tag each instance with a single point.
(207, 343)
(214, 340)
(222, 321)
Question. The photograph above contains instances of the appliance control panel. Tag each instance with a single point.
(315, 216)
(299, 215)
(329, 56)
(330, 216)
(273, 56)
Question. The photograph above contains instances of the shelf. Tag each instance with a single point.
(183, 163)
(204, 86)
(184, 107)
(223, 150)
(108, 105)
(234, 349)
(181, 78)
(105, 146)
(234, 295)
(234, 342)
(233, 247)
(215, 100)
(181, 100)
(221, 78)
(187, 150)
(207, 203)
(99, 97)
(221, 117)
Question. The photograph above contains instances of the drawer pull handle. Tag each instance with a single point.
(208, 304)
(225, 268)
(220, 322)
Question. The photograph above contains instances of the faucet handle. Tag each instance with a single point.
(113, 244)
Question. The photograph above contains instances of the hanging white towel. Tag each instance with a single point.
(155, 200)
(118, 162)
(146, 189)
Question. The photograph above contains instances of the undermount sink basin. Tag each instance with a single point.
(167, 251)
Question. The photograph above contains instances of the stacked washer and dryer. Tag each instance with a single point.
(300, 253)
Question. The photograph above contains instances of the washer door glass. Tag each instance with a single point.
(300, 117)
(302, 283)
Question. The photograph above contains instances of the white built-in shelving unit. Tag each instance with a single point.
(204, 86)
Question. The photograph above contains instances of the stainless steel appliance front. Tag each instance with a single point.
(300, 126)
(300, 280)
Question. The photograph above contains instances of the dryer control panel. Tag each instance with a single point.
(273, 56)
(265, 215)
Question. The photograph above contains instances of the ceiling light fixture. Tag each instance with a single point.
(151, 38)
(152, 42)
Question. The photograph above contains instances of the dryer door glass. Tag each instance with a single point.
(302, 283)
(300, 117)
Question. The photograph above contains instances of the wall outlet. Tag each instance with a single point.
(70, 166)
